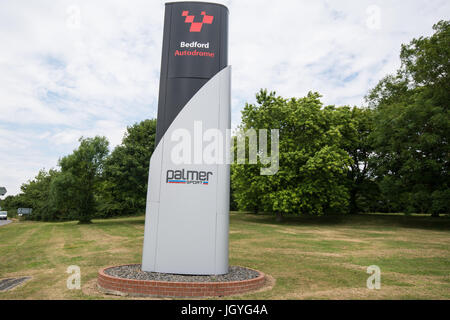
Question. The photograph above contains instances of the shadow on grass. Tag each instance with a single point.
(133, 220)
(419, 222)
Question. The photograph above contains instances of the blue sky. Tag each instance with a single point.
(86, 68)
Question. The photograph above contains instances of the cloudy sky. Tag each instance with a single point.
(86, 68)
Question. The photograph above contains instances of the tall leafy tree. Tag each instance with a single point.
(125, 176)
(313, 164)
(356, 125)
(74, 191)
(35, 194)
(412, 126)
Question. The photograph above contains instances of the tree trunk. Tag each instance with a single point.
(353, 208)
(435, 214)
(279, 217)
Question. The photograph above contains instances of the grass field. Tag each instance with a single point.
(306, 258)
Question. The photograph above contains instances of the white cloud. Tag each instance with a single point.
(63, 76)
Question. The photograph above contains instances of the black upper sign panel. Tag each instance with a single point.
(195, 40)
(195, 48)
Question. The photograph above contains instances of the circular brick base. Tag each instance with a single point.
(129, 287)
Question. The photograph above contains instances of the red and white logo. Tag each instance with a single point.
(197, 26)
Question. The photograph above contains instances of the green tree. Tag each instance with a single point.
(412, 126)
(8, 203)
(356, 125)
(313, 164)
(125, 174)
(74, 192)
(35, 194)
(64, 196)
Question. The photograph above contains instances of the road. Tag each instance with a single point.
(4, 222)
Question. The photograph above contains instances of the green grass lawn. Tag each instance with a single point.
(305, 257)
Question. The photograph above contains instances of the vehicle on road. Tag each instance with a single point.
(3, 215)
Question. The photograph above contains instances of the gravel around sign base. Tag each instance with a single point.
(133, 271)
